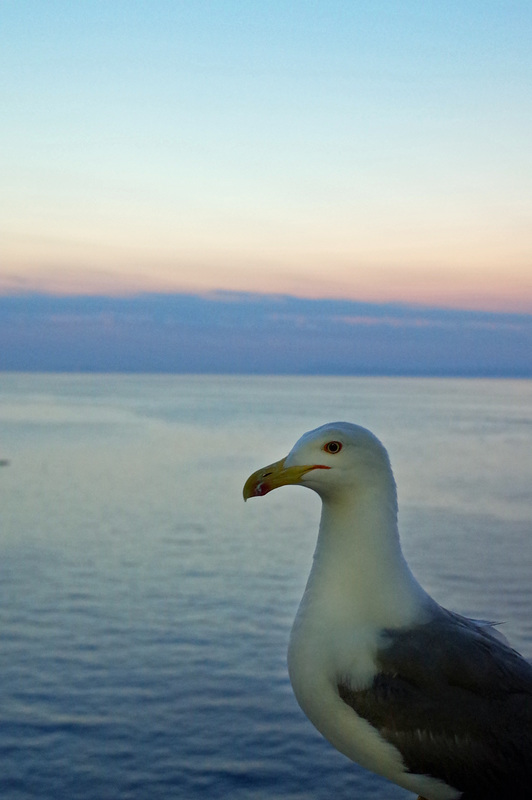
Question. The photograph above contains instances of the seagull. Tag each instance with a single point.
(437, 703)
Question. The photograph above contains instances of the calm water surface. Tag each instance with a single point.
(146, 610)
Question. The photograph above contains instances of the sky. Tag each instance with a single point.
(376, 152)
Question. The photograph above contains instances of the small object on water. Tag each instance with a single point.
(435, 702)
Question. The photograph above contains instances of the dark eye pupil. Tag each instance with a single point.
(333, 447)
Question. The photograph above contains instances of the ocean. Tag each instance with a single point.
(146, 609)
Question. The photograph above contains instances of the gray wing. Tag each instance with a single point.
(457, 703)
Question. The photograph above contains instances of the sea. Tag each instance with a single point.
(145, 609)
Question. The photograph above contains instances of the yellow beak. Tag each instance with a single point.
(274, 475)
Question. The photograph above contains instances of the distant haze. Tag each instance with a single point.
(251, 333)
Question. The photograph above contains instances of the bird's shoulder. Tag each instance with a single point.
(461, 652)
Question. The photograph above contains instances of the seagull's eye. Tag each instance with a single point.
(333, 447)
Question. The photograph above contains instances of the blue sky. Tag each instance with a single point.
(277, 153)
(378, 151)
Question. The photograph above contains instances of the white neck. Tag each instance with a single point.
(359, 574)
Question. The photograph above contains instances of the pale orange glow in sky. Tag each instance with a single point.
(336, 150)
(459, 276)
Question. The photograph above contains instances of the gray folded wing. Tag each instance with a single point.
(457, 703)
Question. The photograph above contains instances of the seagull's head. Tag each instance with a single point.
(331, 460)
